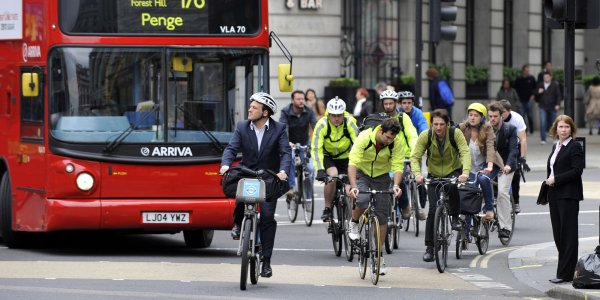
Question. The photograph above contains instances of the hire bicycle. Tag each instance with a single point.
(442, 235)
(367, 247)
(303, 191)
(251, 192)
(341, 213)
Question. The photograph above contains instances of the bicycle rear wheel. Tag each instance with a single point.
(334, 223)
(513, 216)
(416, 206)
(363, 247)
(374, 249)
(308, 200)
(254, 268)
(246, 253)
(440, 239)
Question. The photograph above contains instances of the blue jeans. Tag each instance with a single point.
(485, 183)
(547, 116)
(527, 113)
(311, 168)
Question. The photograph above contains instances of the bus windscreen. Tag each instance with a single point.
(160, 17)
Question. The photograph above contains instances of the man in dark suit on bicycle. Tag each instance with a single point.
(264, 145)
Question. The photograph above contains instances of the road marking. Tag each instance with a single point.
(479, 280)
(526, 266)
(417, 278)
(485, 258)
(547, 212)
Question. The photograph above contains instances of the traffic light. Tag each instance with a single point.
(438, 13)
(585, 13)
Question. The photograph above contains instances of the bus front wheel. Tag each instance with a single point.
(11, 238)
(198, 238)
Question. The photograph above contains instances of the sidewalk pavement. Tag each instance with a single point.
(535, 264)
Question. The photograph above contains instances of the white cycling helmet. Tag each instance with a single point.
(389, 94)
(266, 99)
(406, 95)
(336, 106)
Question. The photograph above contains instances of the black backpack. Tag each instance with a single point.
(451, 137)
(372, 121)
(345, 135)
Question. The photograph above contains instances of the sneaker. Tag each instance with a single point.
(517, 208)
(543, 142)
(382, 267)
(503, 233)
(326, 214)
(235, 232)
(353, 231)
(428, 256)
(406, 213)
(422, 215)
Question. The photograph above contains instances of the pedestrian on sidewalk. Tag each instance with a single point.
(564, 169)
(525, 86)
(592, 104)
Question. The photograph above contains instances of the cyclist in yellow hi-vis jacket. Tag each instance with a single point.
(375, 152)
(332, 139)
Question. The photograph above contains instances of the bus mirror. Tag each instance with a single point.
(181, 64)
(30, 84)
(286, 79)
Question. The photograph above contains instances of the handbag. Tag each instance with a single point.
(471, 199)
(543, 195)
(275, 187)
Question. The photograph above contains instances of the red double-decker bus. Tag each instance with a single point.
(114, 113)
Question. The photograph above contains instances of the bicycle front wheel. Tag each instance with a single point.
(308, 200)
(391, 233)
(374, 249)
(363, 247)
(348, 245)
(246, 252)
(292, 207)
(335, 230)
(441, 226)
(483, 236)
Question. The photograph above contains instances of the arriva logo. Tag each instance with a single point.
(167, 151)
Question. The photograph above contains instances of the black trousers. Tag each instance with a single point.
(433, 195)
(268, 225)
(564, 217)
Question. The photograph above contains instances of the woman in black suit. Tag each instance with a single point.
(564, 168)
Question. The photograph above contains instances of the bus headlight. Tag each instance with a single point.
(85, 181)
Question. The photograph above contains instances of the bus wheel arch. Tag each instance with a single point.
(198, 238)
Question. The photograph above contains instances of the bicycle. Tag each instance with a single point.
(513, 216)
(441, 225)
(368, 244)
(251, 192)
(413, 197)
(340, 216)
(392, 237)
(304, 195)
(471, 213)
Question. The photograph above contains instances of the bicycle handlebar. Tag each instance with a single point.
(442, 180)
(340, 177)
(375, 192)
(299, 146)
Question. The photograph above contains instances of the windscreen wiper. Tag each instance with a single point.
(114, 144)
(198, 124)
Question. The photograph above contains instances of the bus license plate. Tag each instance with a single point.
(166, 217)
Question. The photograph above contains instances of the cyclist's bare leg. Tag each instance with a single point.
(357, 212)
(330, 187)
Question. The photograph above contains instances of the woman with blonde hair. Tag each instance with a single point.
(315, 103)
(484, 157)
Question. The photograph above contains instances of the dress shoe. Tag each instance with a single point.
(266, 268)
(428, 256)
(235, 232)
(557, 280)
(504, 233)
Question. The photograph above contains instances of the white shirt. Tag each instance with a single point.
(555, 153)
(259, 132)
(517, 120)
(358, 106)
(546, 85)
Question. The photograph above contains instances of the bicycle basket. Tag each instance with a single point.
(251, 190)
(471, 199)
(274, 188)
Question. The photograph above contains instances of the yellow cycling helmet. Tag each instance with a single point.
(478, 107)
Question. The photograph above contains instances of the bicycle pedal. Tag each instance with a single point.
(329, 229)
